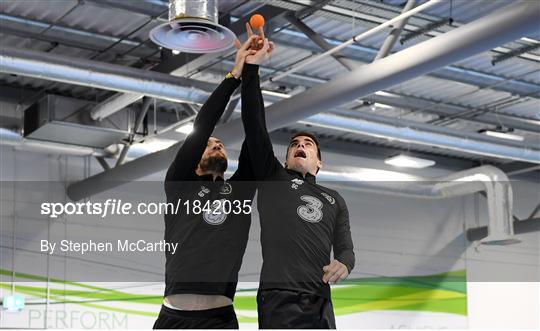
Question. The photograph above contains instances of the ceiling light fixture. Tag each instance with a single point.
(503, 135)
(407, 161)
(185, 129)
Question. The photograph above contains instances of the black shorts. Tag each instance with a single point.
(285, 309)
(217, 318)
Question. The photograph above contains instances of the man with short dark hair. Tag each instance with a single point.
(301, 221)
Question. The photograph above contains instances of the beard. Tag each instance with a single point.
(217, 164)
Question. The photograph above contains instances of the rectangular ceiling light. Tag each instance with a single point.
(407, 161)
(185, 129)
(504, 135)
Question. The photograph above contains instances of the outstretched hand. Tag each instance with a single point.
(254, 50)
(243, 50)
(261, 44)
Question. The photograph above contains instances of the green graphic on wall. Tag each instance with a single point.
(443, 293)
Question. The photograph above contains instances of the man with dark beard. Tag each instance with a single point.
(201, 278)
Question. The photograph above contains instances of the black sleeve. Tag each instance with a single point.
(343, 244)
(262, 156)
(191, 151)
(244, 171)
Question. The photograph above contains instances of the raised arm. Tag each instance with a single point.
(258, 141)
(244, 172)
(191, 151)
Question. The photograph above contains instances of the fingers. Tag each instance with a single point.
(329, 275)
(261, 32)
(271, 47)
(266, 45)
(237, 44)
(249, 31)
(339, 275)
(334, 272)
(329, 271)
(247, 43)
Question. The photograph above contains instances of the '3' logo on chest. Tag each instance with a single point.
(312, 210)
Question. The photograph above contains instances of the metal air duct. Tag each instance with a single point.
(491, 180)
(193, 28)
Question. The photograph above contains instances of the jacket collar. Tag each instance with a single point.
(309, 177)
(210, 178)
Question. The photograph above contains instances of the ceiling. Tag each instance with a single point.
(459, 97)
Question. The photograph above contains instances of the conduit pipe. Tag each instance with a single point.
(491, 180)
(102, 75)
(505, 25)
(421, 134)
(10, 138)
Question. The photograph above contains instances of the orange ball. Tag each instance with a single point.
(256, 21)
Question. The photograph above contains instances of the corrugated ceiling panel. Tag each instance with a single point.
(529, 109)
(37, 9)
(104, 20)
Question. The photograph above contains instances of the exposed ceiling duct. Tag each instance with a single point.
(101, 75)
(193, 28)
(488, 179)
(505, 25)
(54, 118)
(10, 138)
(409, 132)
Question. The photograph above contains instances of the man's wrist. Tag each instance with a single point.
(248, 67)
(234, 73)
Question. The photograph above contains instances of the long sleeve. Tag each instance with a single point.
(191, 151)
(244, 172)
(261, 152)
(343, 244)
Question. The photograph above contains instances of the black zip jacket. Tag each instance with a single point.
(301, 221)
(211, 247)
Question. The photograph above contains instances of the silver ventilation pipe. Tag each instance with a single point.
(204, 9)
(10, 138)
(410, 132)
(496, 185)
(102, 75)
(491, 180)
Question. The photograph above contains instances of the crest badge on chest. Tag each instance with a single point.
(329, 198)
(296, 183)
(226, 188)
(203, 191)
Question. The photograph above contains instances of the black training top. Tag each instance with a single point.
(300, 220)
(211, 245)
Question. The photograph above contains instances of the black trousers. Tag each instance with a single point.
(285, 309)
(217, 318)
